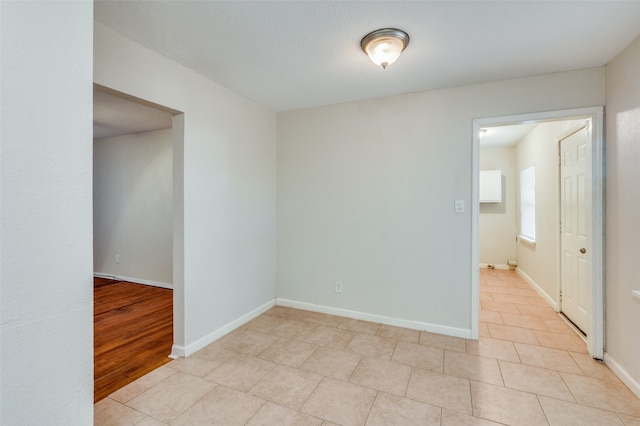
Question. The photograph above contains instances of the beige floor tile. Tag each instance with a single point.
(520, 300)
(272, 414)
(558, 326)
(331, 363)
(112, 413)
(553, 359)
(524, 321)
(492, 305)
(492, 348)
(372, 346)
(222, 406)
(603, 394)
(398, 333)
(241, 373)
(443, 342)
(440, 390)
(294, 329)
(485, 296)
(195, 366)
(567, 342)
(340, 402)
(419, 356)
(512, 298)
(535, 380)
(359, 326)
(592, 368)
(323, 319)
(483, 329)
(145, 382)
(286, 386)
(629, 420)
(453, 418)
(288, 352)
(213, 352)
(562, 413)
(472, 367)
(394, 410)
(264, 323)
(494, 288)
(546, 312)
(506, 406)
(491, 317)
(164, 403)
(330, 337)
(228, 337)
(382, 375)
(149, 421)
(513, 334)
(250, 343)
(283, 311)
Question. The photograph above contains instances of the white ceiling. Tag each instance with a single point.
(501, 136)
(296, 54)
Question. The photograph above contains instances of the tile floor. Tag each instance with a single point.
(292, 367)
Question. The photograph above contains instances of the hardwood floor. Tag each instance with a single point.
(133, 332)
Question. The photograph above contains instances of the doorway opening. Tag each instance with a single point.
(138, 233)
(551, 263)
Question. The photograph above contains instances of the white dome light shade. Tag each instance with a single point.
(384, 46)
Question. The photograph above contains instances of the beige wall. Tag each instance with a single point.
(539, 262)
(229, 188)
(133, 207)
(623, 214)
(497, 226)
(366, 196)
(46, 307)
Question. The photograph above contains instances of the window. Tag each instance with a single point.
(528, 204)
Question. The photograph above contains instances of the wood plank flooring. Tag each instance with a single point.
(133, 332)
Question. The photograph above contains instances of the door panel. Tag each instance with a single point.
(575, 229)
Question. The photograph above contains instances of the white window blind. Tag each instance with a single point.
(528, 204)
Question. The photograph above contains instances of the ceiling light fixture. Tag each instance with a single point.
(384, 45)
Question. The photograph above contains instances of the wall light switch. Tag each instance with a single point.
(459, 206)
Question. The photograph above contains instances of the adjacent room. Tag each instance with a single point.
(314, 210)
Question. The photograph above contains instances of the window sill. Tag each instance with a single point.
(527, 241)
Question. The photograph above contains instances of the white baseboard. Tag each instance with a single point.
(415, 325)
(486, 266)
(538, 289)
(623, 374)
(133, 280)
(182, 351)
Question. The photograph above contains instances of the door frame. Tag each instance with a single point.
(595, 341)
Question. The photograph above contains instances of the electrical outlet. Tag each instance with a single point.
(338, 287)
(117, 258)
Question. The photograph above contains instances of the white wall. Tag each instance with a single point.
(540, 261)
(497, 226)
(623, 220)
(132, 214)
(366, 195)
(229, 187)
(46, 308)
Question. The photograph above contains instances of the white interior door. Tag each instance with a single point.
(575, 234)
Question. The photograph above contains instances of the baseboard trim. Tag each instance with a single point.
(415, 325)
(486, 266)
(622, 374)
(134, 280)
(178, 351)
(538, 289)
